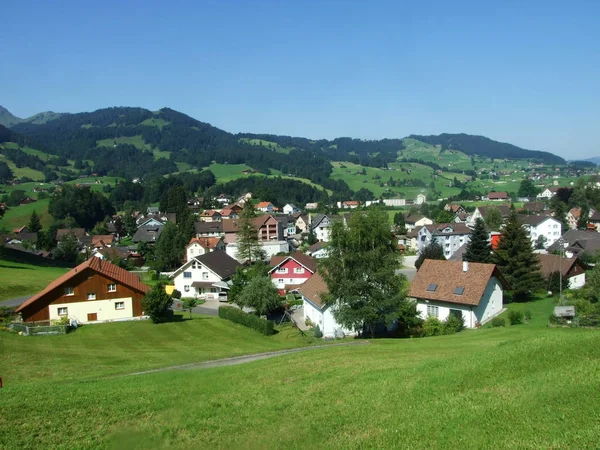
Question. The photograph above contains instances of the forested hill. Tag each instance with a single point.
(482, 146)
(7, 119)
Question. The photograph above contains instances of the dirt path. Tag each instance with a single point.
(244, 359)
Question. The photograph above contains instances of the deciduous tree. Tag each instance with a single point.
(260, 294)
(156, 303)
(431, 251)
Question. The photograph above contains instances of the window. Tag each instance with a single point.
(120, 305)
(205, 275)
(69, 291)
(112, 287)
(433, 311)
(280, 281)
(195, 265)
(281, 270)
(91, 296)
(299, 270)
(458, 290)
(213, 290)
(187, 274)
(432, 287)
(456, 313)
(62, 311)
(186, 288)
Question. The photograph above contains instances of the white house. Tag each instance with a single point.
(269, 248)
(421, 198)
(473, 291)
(547, 193)
(413, 221)
(318, 250)
(450, 236)
(290, 209)
(317, 310)
(545, 226)
(205, 276)
(321, 226)
(572, 269)
(200, 246)
(266, 207)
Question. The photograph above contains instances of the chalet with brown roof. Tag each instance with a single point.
(289, 272)
(210, 215)
(473, 291)
(230, 213)
(498, 196)
(79, 233)
(572, 269)
(199, 246)
(94, 291)
(102, 240)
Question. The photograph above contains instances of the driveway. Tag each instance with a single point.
(208, 308)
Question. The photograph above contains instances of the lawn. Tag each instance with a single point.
(21, 172)
(20, 279)
(18, 216)
(523, 386)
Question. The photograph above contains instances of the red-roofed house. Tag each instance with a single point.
(94, 291)
(266, 207)
(210, 215)
(201, 245)
(289, 272)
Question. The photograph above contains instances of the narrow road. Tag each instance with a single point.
(244, 359)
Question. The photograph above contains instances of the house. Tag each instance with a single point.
(317, 310)
(289, 272)
(27, 201)
(147, 233)
(547, 193)
(498, 196)
(421, 198)
(349, 204)
(266, 207)
(94, 291)
(535, 207)
(454, 208)
(413, 221)
(210, 229)
(321, 226)
(20, 230)
(473, 291)
(572, 269)
(102, 240)
(79, 234)
(451, 236)
(205, 276)
(231, 212)
(270, 235)
(311, 206)
(111, 253)
(210, 215)
(223, 199)
(288, 225)
(538, 226)
(318, 250)
(290, 209)
(199, 246)
(578, 243)
(303, 222)
(152, 210)
(462, 217)
(481, 212)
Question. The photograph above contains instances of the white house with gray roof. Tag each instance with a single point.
(451, 236)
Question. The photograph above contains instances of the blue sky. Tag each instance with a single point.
(525, 72)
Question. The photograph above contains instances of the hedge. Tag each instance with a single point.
(249, 320)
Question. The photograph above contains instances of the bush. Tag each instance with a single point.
(317, 332)
(176, 294)
(432, 326)
(308, 322)
(498, 322)
(249, 320)
(454, 324)
(515, 317)
(527, 314)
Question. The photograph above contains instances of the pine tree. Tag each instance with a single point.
(479, 249)
(34, 223)
(248, 246)
(431, 251)
(516, 260)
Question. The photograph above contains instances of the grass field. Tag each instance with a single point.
(137, 141)
(18, 216)
(517, 387)
(267, 144)
(20, 279)
(21, 172)
(155, 122)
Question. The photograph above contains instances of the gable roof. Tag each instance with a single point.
(448, 275)
(62, 232)
(553, 263)
(263, 205)
(102, 239)
(313, 289)
(437, 229)
(497, 195)
(205, 242)
(413, 218)
(147, 233)
(210, 213)
(302, 259)
(317, 246)
(534, 221)
(218, 262)
(208, 227)
(504, 210)
(99, 266)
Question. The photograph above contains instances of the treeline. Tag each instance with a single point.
(482, 146)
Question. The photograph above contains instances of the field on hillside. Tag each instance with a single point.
(18, 216)
(21, 172)
(522, 386)
(20, 279)
(267, 144)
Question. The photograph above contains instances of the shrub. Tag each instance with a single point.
(527, 314)
(498, 322)
(432, 326)
(176, 294)
(515, 317)
(454, 324)
(249, 320)
(308, 322)
(317, 332)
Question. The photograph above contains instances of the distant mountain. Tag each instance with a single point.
(595, 160)
(8, 119)
(482, 146)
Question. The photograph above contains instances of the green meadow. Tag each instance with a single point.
(19, 279)
(18, 216)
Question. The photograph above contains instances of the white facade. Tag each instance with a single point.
(290, 209)
(321, 253)
(420, 199)
(194, 249)
(546, 193)
(449, 241)
(490, 306)
(106, 310)
(577, 281)
(270, 248)
(550, 228)
(394, 202)
(324, 318)
(419, 223)
(192, 272)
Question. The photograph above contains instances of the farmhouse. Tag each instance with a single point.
(572, 269)
(266, 207)
(317, 310)
(289, 272)
(210, 215)
(94, 291)
(413, 221)
(205, 276)
(200, 246)
(498, 196)
(473, 291)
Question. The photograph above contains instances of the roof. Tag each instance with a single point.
(97, 265)
(554, 263)
(205, 242)
(148, 233)
(62, 232)
(534, 206)
(534, 221)
(497, 195)
(263, 205)
(102, 239)
(436, 229)
(313, 289)
(209, 227)
(413, 218)
(302, 259)
(317, 246)
(504, 210)
(210, 213)
(219, 262)
(458, 254)
(449, 275)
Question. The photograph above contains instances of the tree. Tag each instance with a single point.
(494, 219)
(554, 284)
(157, 302)
(444, 217)
(68, 249)
(592, 284)
(189, 303)
(170, 248)
(311, 238)
(431, 251)
(5, 173)
(360, 272)
(248, 246)
(540, 243)
(479, 249)
(260, 294)
(527, 189)
(516, 260)
(34, 223)
(560, 209)
(82, 204)
(582, 221)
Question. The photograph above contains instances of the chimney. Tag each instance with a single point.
(465, 266)
(309, 219)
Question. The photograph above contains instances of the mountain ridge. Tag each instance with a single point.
(8, 119)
